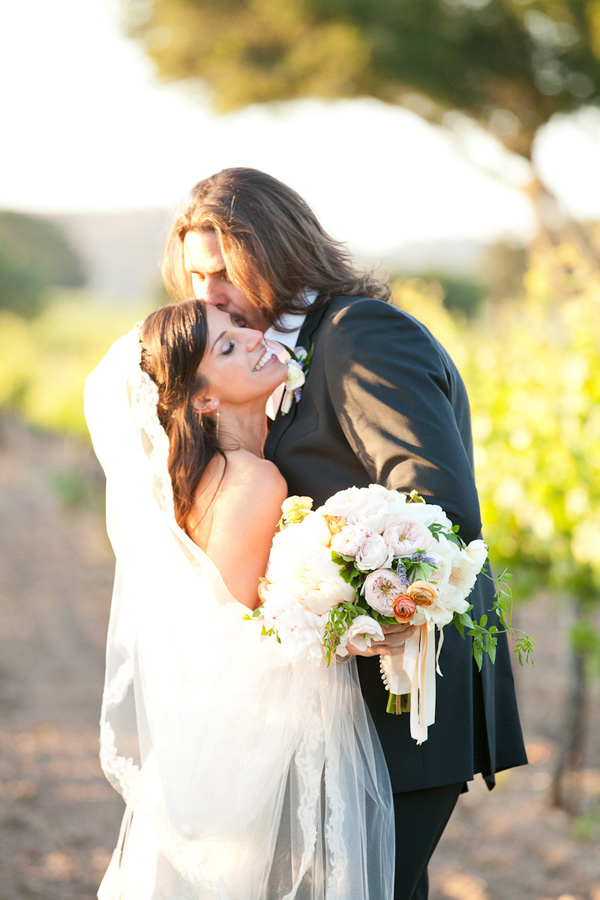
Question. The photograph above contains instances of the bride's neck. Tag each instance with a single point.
(248, 430)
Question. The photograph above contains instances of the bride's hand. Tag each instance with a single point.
(395, 637)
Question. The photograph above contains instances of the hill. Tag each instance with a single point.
(123, 252)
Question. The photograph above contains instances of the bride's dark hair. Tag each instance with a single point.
(174, 340)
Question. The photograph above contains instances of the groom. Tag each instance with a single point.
(383, 402)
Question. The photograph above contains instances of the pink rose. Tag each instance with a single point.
(381, 589)
(367, 547)
(348, 541)
(405, 537)
(373, 553)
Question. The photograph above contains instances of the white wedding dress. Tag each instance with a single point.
(245, 777)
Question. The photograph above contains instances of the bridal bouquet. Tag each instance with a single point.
(367, 558)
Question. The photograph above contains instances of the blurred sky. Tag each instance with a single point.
(87, 127)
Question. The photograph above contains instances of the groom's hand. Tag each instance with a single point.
(395, 637)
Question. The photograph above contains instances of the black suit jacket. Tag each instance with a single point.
(383, 402)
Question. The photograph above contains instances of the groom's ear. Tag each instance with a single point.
(203, 404)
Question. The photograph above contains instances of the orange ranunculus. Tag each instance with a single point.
(423, 593)
(404, 608)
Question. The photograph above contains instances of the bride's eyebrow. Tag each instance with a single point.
(223, 333)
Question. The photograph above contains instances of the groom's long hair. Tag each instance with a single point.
(272, 242)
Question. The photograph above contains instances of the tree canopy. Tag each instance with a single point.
(509, 64)
(34, 255)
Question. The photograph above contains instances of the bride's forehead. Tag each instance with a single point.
(217, 321)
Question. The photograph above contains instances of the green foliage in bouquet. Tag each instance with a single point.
(484, 638)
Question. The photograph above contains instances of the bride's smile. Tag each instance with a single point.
(239, 367)
(267, 357)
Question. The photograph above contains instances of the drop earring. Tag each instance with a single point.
(217, 429)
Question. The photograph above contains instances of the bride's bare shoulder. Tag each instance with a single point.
(243, 517)
(240, 489)
(248, 480)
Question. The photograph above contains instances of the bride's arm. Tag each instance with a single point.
(245, 515)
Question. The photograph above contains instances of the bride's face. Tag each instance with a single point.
(238, 365)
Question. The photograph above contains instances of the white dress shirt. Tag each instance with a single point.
(274, 334)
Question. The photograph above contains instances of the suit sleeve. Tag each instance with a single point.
(395, 395)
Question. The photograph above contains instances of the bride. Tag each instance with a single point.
(244, 777)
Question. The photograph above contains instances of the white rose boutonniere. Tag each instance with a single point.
(298, 366)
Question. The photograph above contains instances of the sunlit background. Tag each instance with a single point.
(455, 145)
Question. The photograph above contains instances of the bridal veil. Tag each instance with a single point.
(245, 777)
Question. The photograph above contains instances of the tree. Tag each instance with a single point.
(509, 64)
(34, 256)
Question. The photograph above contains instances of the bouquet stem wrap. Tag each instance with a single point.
(412, 672)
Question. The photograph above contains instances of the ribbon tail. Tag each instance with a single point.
(439, 650)
(429, 677)
(286, 403)
(422, 713)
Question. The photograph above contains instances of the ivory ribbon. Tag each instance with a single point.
(114, 877)
(412, 671)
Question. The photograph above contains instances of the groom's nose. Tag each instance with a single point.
(213, 294)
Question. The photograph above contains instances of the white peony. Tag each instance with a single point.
(428, 514)
(300, 630)
(361, 633)
(443, 568)
(320, 566)
(299, 547)
(464, 572)
(478, 552)
(314, 528)
(451, 601)
(327, 595)
(286, 559)
(370, 506)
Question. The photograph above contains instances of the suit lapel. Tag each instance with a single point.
(281, 422)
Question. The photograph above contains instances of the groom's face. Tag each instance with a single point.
(204, 262)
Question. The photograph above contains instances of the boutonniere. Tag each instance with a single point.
(298, 366)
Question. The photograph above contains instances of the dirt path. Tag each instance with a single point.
(58, 816)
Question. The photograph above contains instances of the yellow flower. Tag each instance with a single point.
(295, 509)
